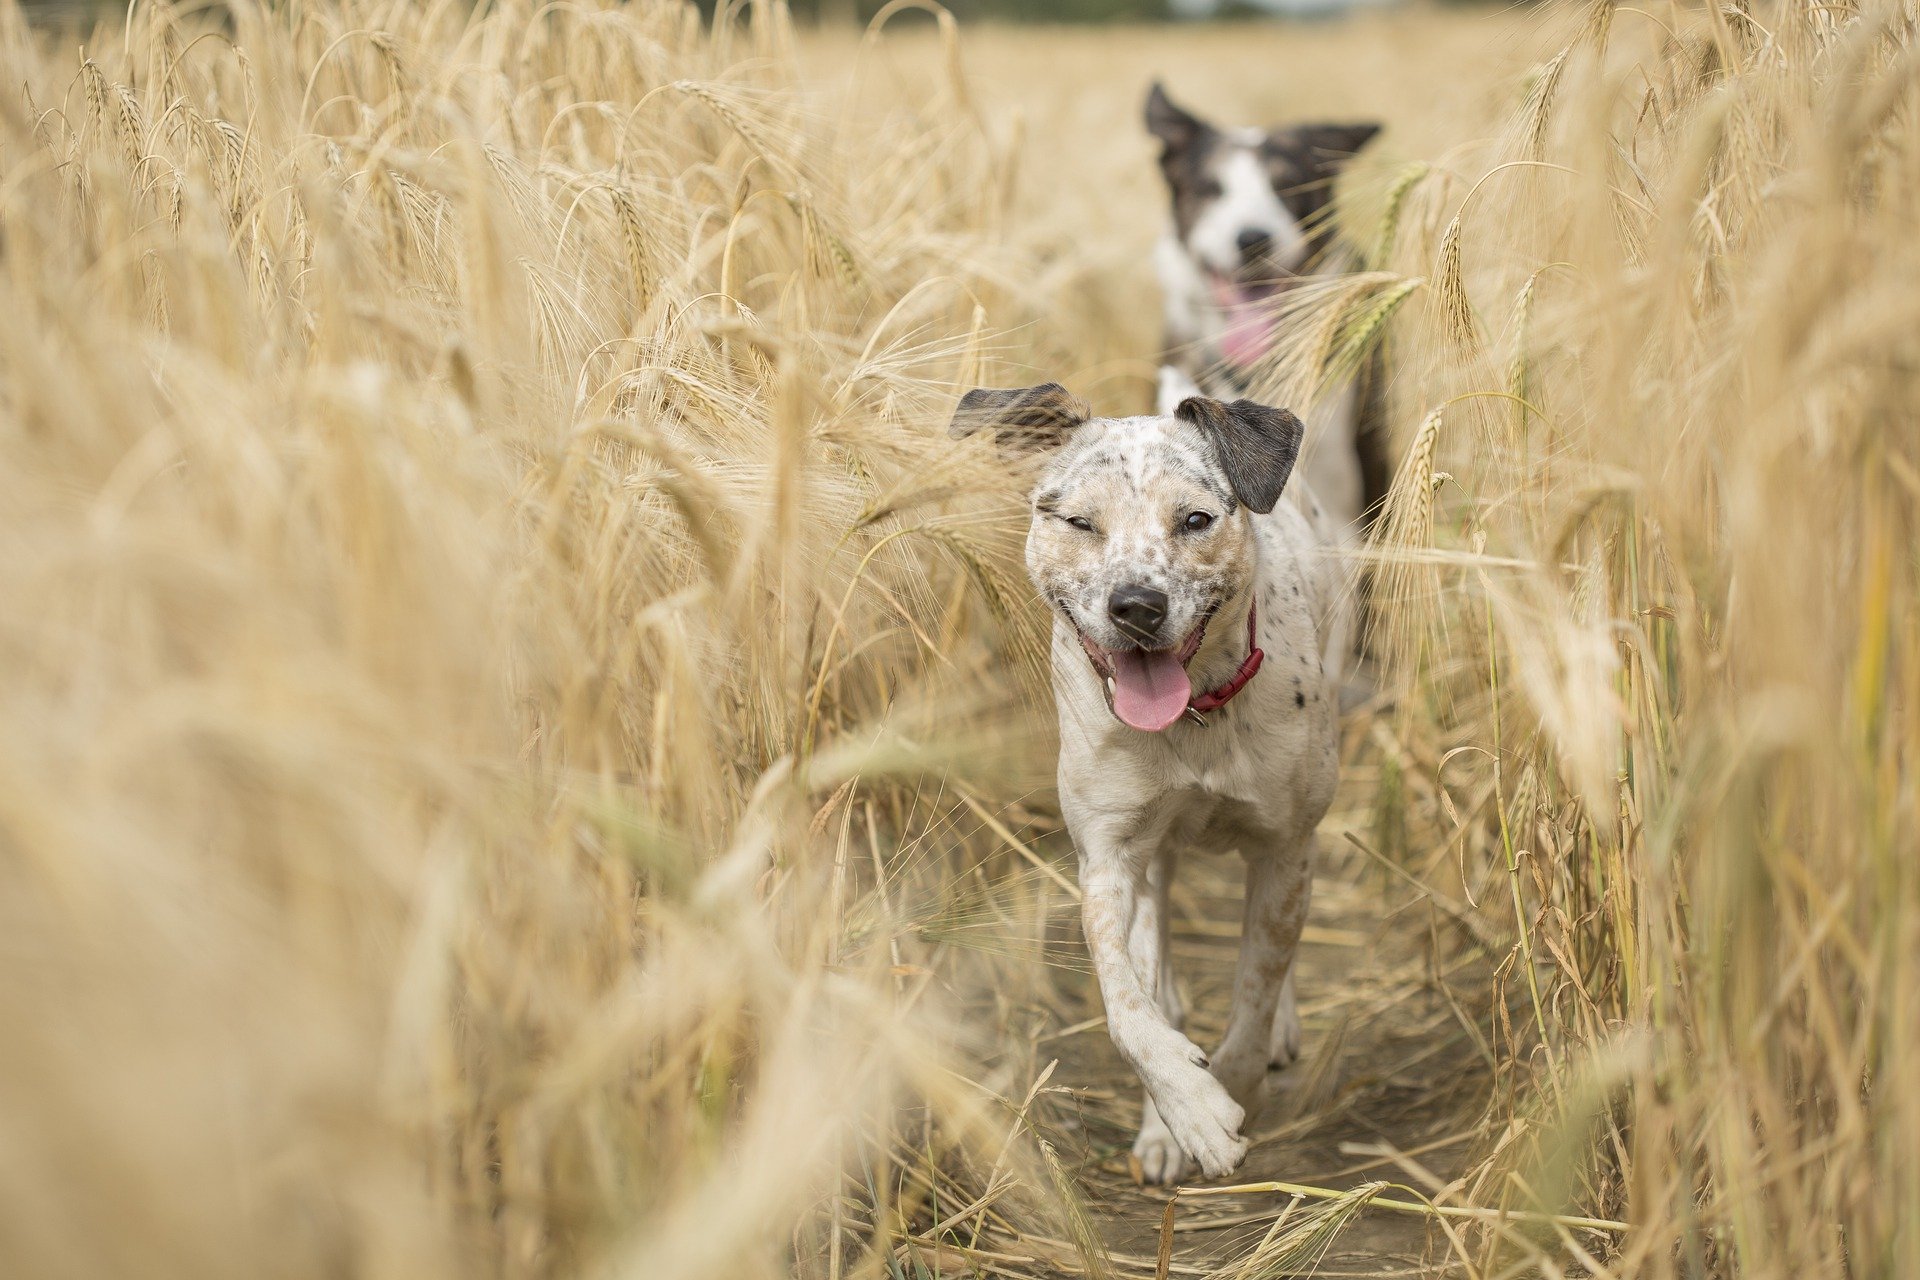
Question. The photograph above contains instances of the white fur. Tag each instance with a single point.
(1330, 458)
(1175, 386)
(1246, 202)
(1193, 321)
(1257, 778)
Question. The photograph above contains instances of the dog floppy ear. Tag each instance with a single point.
(1176, 127)
(1257, 445)
(1332, 145)
(1022, 418)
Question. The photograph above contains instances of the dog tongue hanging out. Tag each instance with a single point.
(1248, 312)
(1150, 690)
(1177, 552)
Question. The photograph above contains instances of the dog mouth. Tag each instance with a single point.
(1249, 307)
(1149, 688)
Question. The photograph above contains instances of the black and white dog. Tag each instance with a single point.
(1251, 218)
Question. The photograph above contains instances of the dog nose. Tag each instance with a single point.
(1254, 242)
(1137, 611)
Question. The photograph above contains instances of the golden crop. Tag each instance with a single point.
(523, 746)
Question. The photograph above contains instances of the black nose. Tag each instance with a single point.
(1138, 612)
(1254, 242)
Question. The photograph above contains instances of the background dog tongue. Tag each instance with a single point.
(1150, 690)
(1250, 321)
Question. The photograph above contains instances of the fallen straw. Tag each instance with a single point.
(1410, 1206)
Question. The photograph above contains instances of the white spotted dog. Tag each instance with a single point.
(1251, 218)
(1198, 632)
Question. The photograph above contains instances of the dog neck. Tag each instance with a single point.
(1224, 647)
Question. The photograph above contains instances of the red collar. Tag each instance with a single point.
(1214, 699)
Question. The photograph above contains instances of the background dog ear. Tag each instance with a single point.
(1022, 418)
(1176, 127)
(1257, 445)
(1332, 145)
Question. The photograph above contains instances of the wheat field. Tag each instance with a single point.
(524, 749)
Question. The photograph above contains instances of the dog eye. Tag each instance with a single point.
(1081, 523)
(1197, 520)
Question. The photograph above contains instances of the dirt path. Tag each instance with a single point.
(1388, 1065)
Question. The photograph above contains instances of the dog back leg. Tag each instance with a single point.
(1159, 886)
(1284, 1048)
(1278, 887)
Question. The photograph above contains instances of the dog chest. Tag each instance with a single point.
(1213, 803)
(1210, 821)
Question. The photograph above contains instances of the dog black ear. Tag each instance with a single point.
(1257, 445)
(1022, 418)
(1176, 127)
(1332, 145)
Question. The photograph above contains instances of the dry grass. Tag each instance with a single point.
(1670, 477)
(490, 608)
(520, 741)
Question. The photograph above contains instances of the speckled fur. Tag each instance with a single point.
(1135, 479)
(1257, 778)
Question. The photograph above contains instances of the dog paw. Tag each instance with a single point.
(1204, 1121)
(1157, 1158)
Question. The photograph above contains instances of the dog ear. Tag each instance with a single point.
(1332, 145)
(1023, 419)
(1177, 128)
(1257, 445)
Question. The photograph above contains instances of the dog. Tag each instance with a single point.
(1198, 632)
(1251, 217)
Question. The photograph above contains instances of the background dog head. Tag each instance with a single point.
(1250, 206)
(1140, 531)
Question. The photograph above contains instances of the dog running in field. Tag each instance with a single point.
(1198, 632)
(1251, 218)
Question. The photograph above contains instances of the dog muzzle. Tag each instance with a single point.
(1150, 691)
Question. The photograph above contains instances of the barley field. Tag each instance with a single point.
(524, 749)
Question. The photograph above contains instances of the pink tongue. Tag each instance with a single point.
(1249, 333)
(1150, 690)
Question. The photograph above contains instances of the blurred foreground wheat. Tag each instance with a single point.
(488, 608)
(1653, 560)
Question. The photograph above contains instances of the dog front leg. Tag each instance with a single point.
(1123, 928)
(1276, 911)
(1157, 1153)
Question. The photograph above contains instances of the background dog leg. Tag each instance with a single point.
(1120, 918)
(1278, 888)
(1159, 1157)
(1284, 1049)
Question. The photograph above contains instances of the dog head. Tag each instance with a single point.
(1140, 527)
(1250, 208)
(1250, 205)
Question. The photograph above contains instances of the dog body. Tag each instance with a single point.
(1250, 219)
(1165, 548)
